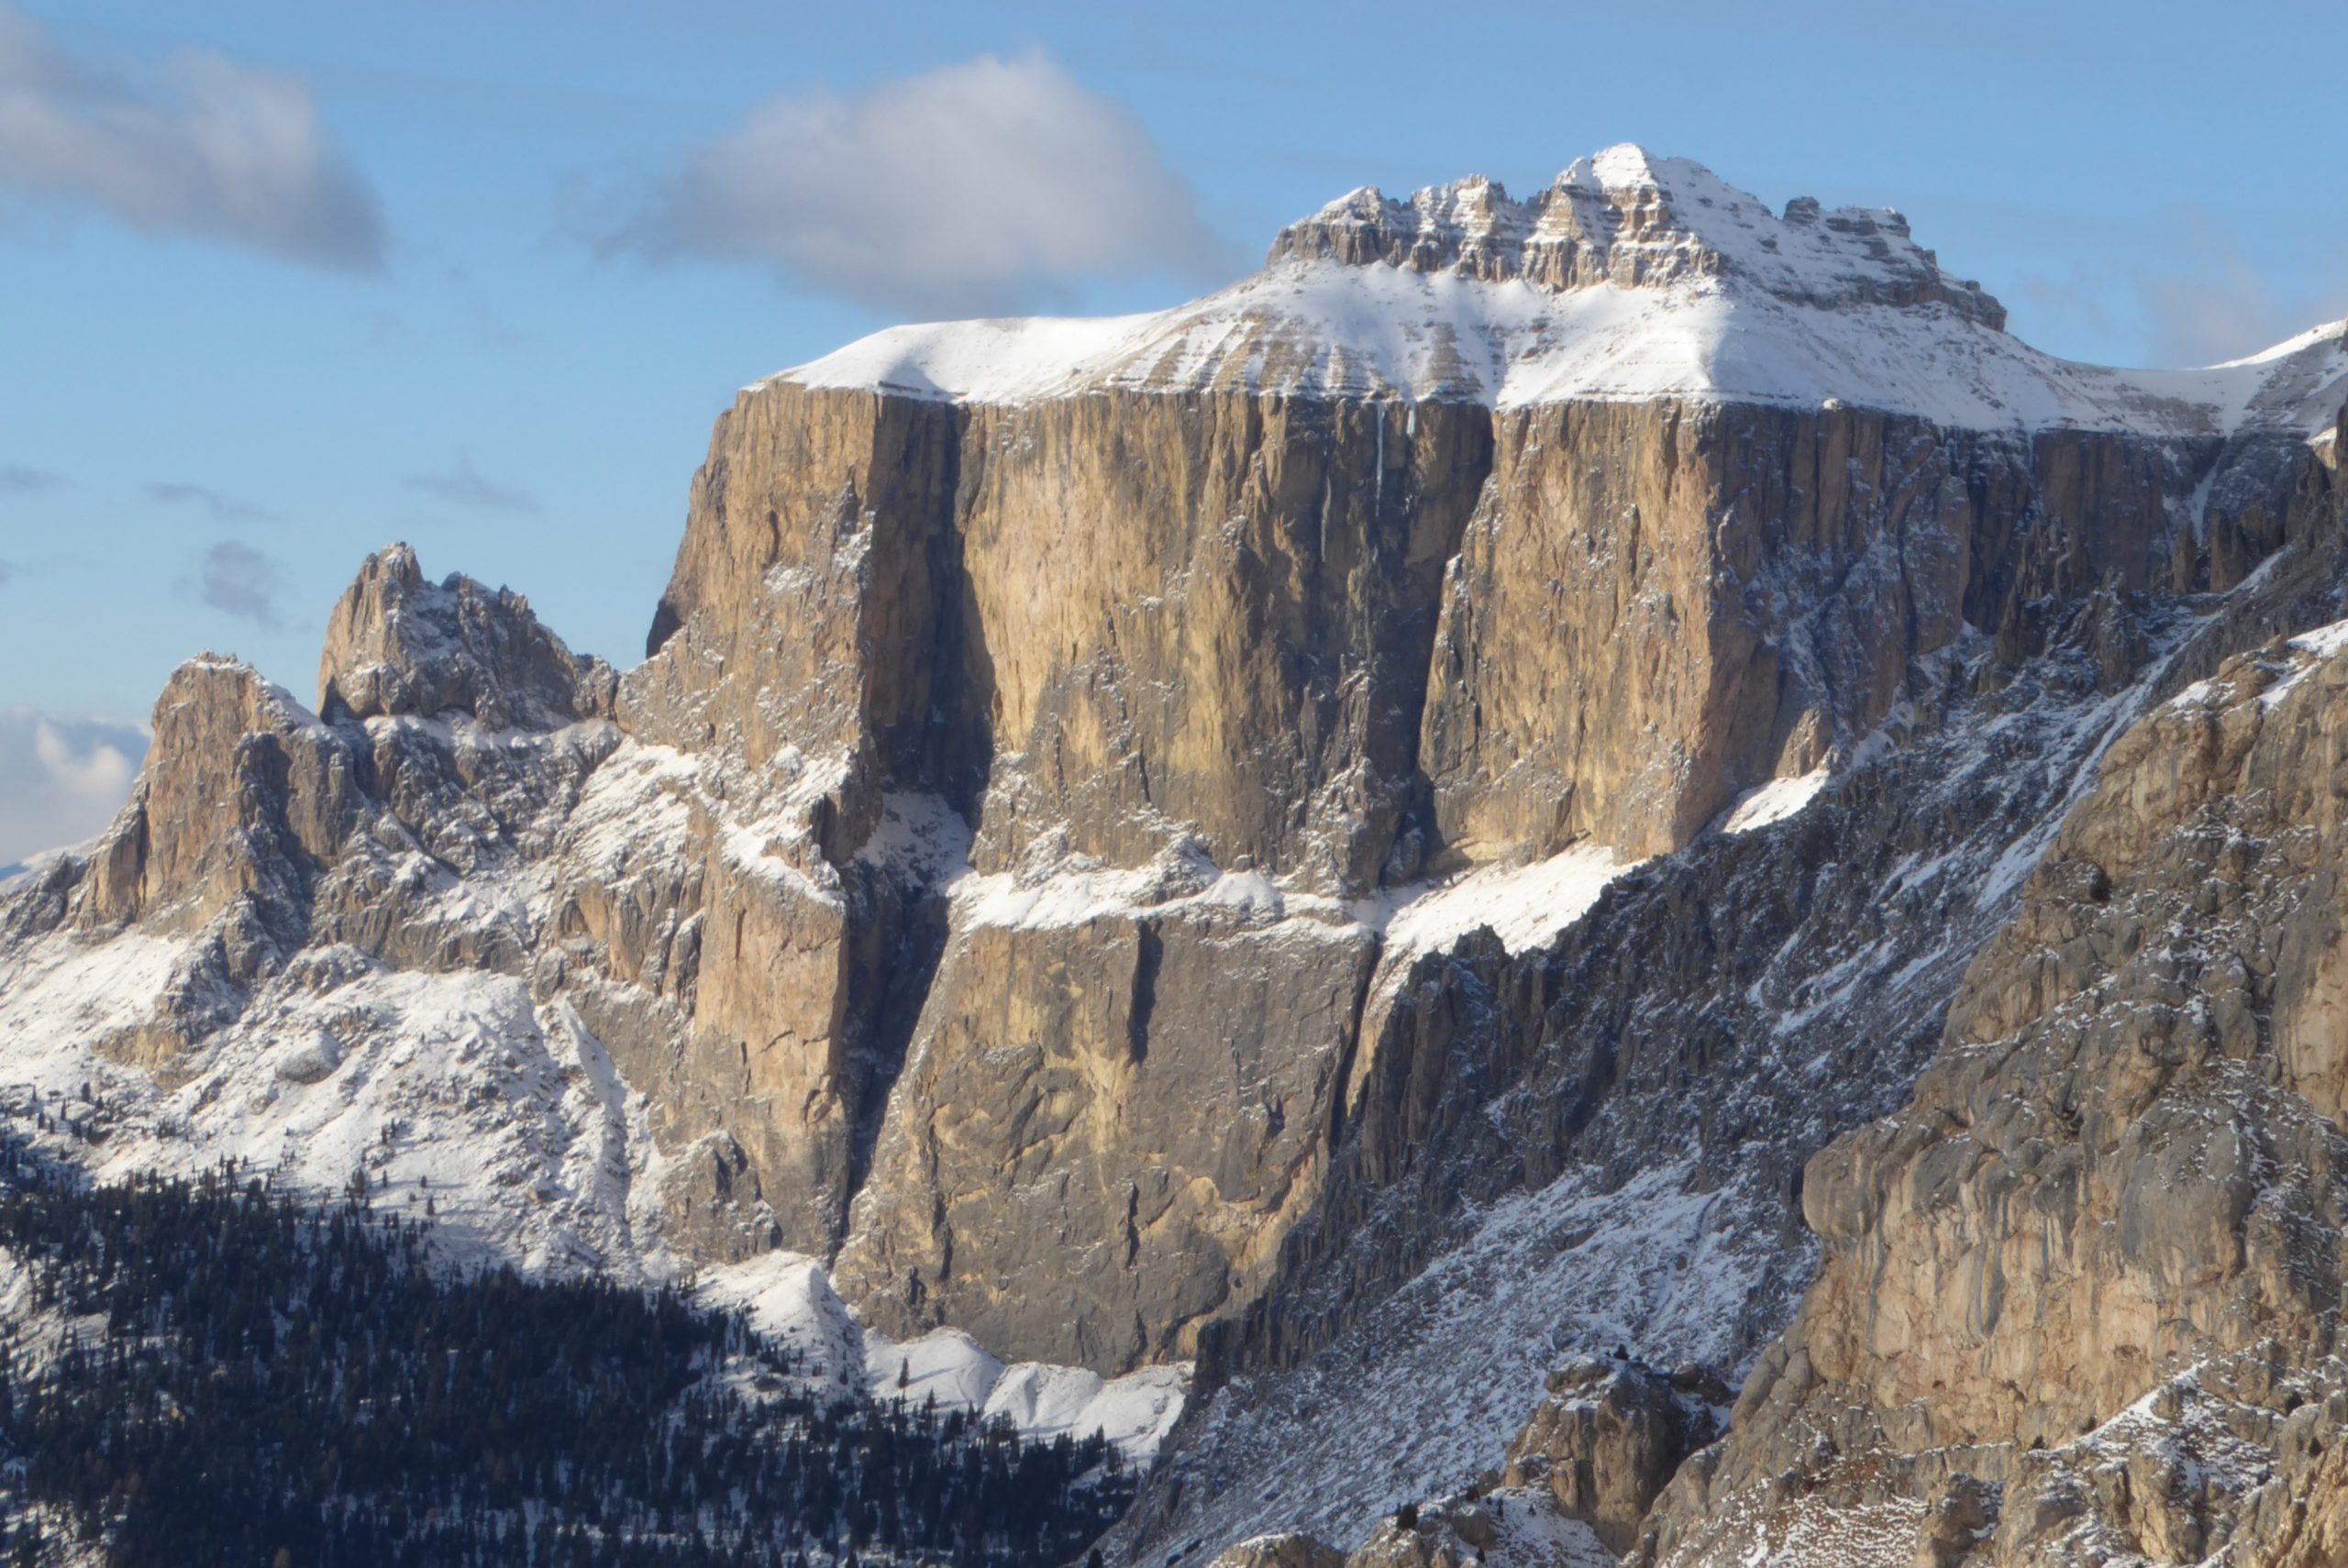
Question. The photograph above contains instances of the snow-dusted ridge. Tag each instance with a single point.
(458, 1093)
(1631, 279)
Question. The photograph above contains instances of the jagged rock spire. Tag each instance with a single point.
(396, 644)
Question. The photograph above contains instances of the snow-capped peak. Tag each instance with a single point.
(1630, 277)
(1626, 217)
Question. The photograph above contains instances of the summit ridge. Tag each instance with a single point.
(1628, 218)
(1630, 278)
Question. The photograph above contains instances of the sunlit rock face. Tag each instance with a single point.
(1362, 832)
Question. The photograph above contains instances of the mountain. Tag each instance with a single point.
(1429, 863)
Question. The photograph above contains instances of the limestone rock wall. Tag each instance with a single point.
(1120, 614)
(245, 795)
(242, 804)
(1331, 633)
(1342, 642)
(1104, 1130)
(1294, 652)
(1659, 607)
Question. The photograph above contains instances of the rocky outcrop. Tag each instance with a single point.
(1451, 1534)
(1609, 1436)
(396, 644)
(1501, 1528)
(245, 794)
(244, 802)
(1280, 1551)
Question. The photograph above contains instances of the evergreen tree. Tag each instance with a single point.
(262, 1381)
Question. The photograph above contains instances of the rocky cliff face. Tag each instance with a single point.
(1314, 649)
(2090, 1274)
(1360, 832)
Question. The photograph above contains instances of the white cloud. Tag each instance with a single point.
(223, 507)
(983, 186)
(2203, 301)
(465, 485)
(2222, 310)
(62, 778)
(237, 579)
(200, 146)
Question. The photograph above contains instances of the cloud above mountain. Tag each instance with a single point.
(466, 486)
(221, 507)
(198, 145)
(61, 778)
(985, 186)
(235, 579)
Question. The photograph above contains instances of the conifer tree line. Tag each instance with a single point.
(250, 1379)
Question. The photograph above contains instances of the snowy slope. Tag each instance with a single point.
(791, 1298)
(1524, 905)
(1718, 301)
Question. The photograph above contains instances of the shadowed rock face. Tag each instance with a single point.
(2095, 1263)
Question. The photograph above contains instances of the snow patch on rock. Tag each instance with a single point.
(1525, 906)
(1774, 801)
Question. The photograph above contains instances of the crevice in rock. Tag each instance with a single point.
(957, 752)
(1149, 952)
(901, 982)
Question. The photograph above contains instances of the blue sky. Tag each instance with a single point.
(284, 283)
